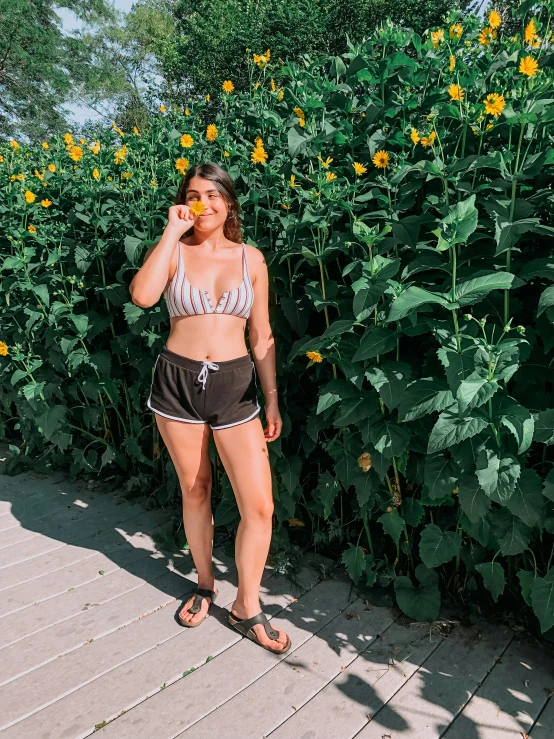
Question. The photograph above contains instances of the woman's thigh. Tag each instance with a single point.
(188, 447)
(243, 452)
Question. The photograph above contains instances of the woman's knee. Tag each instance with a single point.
(196, 493)
(259, 511)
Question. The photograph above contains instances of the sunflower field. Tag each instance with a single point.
(402, 196)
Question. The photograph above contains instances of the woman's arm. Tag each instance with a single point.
(262, 341)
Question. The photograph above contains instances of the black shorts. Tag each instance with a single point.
(221, 394)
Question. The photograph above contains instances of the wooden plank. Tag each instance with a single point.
(27, 550)
(278, 694)
(77, 714)
(512, 696)
(428, 703)
(194, 696)
(544, 727)
(75, 575)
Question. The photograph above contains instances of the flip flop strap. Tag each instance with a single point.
(246, 625)
(198, 596)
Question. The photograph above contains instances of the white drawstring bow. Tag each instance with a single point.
(203, 374)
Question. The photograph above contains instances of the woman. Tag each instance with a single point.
(204, 378)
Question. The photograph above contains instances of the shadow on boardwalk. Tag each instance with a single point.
(90, 645)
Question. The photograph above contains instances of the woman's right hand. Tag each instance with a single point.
(180, 218)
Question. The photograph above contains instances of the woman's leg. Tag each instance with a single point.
(243, 451)
(187, 444)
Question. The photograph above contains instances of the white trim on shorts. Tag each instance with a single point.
(173, 418)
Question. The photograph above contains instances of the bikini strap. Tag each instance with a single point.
(245, 261)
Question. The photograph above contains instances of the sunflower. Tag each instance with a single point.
(186, 141)
(437, 37)
(227, 86)
(259, 155)
(456, 92)
(96, 173)
(211, 132)
(494, 19)
(530, 32)
(52, 167)
(32, 229)
(429, 140)
(299, 112)
(181, 165)
(331, 176)
(415, 136)
(528, 66)
(68, 139)
(487, 35)
(494, 104)
(120, 154)
(325, 163)
(292, 181)
(359, 168)
(314, 356)
(30, 197)
(75, 153)
(456, 31)
(162, 108)
(46, 203)
(451, 62)
(381, 159)
(197, 207)
(45, 145)
(3, 349)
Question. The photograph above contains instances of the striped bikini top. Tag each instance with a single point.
(183, 299)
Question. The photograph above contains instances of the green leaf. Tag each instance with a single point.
(375, 341)
(355, 409)
(412, 511)
(437, 547)
(451, 429)
(546, 300)
(512, 534)
(497, 474)
(289, 466)
(480, 531)
(526, 580)
(474, 393)
(440, 475)
(132, 245)
(389, 381)
(421, 603)
(347, 469)
(354, 559)
(473, 500)
(459, 224)
(544, 426)
(326, 491)
(493, 578)
(472, 291)
(41, 291)
(548, 491)
(519, 421)
(365, 483)
(423, 397)
(390, 439)
(393, 524)
(458, 367)
(410, 299)
(527, 500)
(542, 596)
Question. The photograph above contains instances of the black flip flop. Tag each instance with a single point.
(244, 627)
(199, 594)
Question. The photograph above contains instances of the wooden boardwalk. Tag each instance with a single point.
(89, 644)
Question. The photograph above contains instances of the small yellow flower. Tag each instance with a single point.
(381, 159)
(45, 145)
(292, 181)
(299, 112)
(429, 140)
(259, 155)
(211, 132)
(95, 148)
(490, 126)
(126, 175)
(415, 136)
(181, 165)
(286, 207)
(281, 94)
(314, 356)
(136, 131)
(528, 66)
(331, 176)
(46, 203)
(162, 108)
(82, 141)
(451, 62)
(14, 144)
(301, 122)
(256, 85)
(38, 174)
(494, 104)
(456, 31)
(75, 153)
(325, 163)
(52, 167)
(530, 32)
(30, 196)
(154, 183)
(359, 168)
(20, 177)
(437, 37)
(96, 173)
(1, 158)
(32, 229)
(487, 35)
(120, 154)
(226, 154)
(456, 92)
(494, 19)
(208, 98)
(228, 86)
(272, 85)
(186, 140)
(110, 178)
(3, 349)
(197, 207)
(187, 111)
(68, 139)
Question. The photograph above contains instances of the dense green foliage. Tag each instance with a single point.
(405, 223)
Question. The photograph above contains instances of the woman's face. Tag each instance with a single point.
(216, 210)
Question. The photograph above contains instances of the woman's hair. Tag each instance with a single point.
(223, 182)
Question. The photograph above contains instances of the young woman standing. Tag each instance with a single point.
(204, 379)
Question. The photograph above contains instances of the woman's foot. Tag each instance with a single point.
(194, 618)
(277, 644)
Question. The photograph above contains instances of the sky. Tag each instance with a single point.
(70, 24)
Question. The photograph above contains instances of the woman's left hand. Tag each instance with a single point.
(274, 423)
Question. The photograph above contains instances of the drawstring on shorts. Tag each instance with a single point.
(203, 374)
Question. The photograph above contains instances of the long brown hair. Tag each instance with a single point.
(232, 228)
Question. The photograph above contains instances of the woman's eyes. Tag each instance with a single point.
(211, 196)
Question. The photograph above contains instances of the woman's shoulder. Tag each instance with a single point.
(254, 254)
